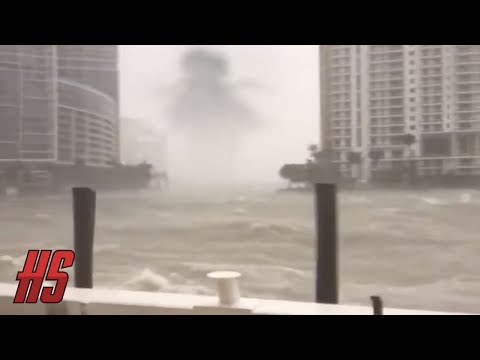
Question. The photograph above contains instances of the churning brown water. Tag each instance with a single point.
(416, 249)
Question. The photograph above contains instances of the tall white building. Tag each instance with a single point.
(375, 95)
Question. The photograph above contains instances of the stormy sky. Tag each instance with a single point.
(279, 81)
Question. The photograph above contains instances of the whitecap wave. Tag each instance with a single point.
(13, 261)
(148, 280)
(105, 248)
(239, 211)
(433, 201)
(42, 217)
(466, 198)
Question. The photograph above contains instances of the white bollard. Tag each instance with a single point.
(228, 290)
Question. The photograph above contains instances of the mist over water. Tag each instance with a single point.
(277, 84)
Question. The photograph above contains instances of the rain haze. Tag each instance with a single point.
(209, 165)
(279, 83)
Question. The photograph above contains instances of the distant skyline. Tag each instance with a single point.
(287, 98)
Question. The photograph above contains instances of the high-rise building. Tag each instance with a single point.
(391, 105)
(59, 104)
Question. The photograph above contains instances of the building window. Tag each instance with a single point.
(412, 72)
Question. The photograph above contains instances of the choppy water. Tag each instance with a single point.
(416, 249)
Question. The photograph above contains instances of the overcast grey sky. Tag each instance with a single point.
(288, 99)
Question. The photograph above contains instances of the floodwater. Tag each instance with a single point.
(418, 250)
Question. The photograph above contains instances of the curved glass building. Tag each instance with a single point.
(59, 104)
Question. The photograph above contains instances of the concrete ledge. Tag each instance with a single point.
(122, 302)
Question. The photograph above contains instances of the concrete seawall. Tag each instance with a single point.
(122, 302)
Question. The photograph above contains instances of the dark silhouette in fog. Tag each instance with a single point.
(209, 114)
(206, 99)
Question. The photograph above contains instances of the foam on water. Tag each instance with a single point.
(148, 280)
(12, 261)
(466, 198)
(433, 201)
(239, 211)
(105, 248)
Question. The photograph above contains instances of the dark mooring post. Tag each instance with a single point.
(377, 305)
(326, 227)
(84, 202)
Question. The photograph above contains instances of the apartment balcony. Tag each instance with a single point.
(467, 62)
(340, 53)
(467, 117)
(386, 107)
(340, 105)
(428, 129)
(468, 126)
(341, 147)
(431, 96)
(340, 81)
(437, 57)
(341, 113)
(387, 97)
(386, 116)
(386, 88)
(435, 87)
(344, 59)
(466, 102)
(386, 136)
(383, 122)
(463, 90)
(339, 73)
(385, 69)
(467, 48)
(339, 77)
(431, 53)
(435, 76)
(436, 122)
(465, 52)
(343, 137)
(467, 111)
(340, 117)
(345, 92)
(340, 70)
(386, 78)
(386, 146)
(468, 72)
(432, 118)
(468, 78)
(339, 99)
(430, 67)
(430, 113)
(385, 60)
(385, 49)
(467, 65)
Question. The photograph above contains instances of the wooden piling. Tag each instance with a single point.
(326, 251)
(84, 202)
(377, 304)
